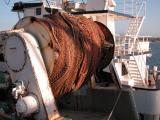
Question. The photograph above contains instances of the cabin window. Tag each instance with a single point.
(38, 11)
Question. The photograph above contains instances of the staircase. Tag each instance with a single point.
(132, 33)
(135, 74)
(134, 26)
(130, 44)
(127, 46)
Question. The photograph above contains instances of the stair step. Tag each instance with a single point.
(130, 67)
(136, 76)
(132, 60)
(135, 73)
(135, 22)
(134, 70)
(137, 79)
(131, 31)
(134, 26)
(138, 83)
(132, 63)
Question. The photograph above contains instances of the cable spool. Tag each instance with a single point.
(73, 47)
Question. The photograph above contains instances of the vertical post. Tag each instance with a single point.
(132, 7)
(124, 5)
(146, 77)
(106, 5)
(145, 5)
(155, 68)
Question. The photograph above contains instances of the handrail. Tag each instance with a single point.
(130, 7)
(142, 7)
(142, 63)
(121, 51)
(128, 41)
(143, 60)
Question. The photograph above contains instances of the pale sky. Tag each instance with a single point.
(150, 27)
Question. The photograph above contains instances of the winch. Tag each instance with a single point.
(49, 57)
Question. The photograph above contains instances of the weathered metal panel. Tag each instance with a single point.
(33, 73)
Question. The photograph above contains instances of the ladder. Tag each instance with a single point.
(132, 33)
(128, 47)
(135, 74)
(128, 41)
(130, 44)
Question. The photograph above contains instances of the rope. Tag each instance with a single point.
(114, 107)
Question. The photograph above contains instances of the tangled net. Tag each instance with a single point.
(80, 44)
(81, 48)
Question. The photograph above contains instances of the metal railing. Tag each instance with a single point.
(142, 59)
(141, 63)
(120, 50)
(128, 40)
(120, 45)
(131, 7)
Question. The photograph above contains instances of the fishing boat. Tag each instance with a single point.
(122, 89)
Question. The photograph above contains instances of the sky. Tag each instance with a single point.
(152, 22)
(150, 26)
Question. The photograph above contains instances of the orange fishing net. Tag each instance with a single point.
(80, 46)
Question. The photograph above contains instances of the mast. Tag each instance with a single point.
(51, 4)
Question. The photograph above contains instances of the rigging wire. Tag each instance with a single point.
(49, 6)
(115, 105)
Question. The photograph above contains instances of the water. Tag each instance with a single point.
(155, 59)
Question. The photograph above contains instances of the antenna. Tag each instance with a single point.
(49, 3)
